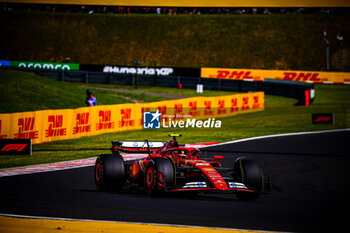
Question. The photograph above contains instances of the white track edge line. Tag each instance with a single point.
(49, 170)
(278, 135)
(47, 164)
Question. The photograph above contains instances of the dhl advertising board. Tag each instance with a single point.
(260, 75)
(51, 125)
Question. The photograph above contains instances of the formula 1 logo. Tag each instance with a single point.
(15, 147)
(151, 120)
(323, 118)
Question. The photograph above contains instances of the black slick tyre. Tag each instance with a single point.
(249, 173)
(159, 175)
(109, 172)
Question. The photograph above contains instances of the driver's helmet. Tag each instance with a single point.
(184, 154)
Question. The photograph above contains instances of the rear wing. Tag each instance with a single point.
(136, 146)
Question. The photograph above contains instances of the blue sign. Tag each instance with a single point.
(4, 63)
(151, 120)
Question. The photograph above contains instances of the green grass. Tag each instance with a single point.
(22, 91)
(280, 116)
(231, 41)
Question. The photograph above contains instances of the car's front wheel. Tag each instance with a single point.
(249, 173)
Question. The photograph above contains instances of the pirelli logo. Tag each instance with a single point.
(15, 147)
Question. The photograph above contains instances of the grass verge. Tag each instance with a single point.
(23, 91)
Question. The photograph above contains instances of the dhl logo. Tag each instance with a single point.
(237, 75)
(55, 126)
(208, 111)
(221, 107)
(245, 105)
(26, 129)
(301, 76)
(26, 124)
(193, 109)
(234, 105)
(256, 103)
(126, 118)
(105, 122)
(82, 123)
(178, 111)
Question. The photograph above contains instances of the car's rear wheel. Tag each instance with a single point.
(249, 173)
(159, 175)
(150, 178)
(109, 172)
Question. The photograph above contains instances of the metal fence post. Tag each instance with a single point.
(340, 39)
(327, 49)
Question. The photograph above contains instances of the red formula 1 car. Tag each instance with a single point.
(169, 167)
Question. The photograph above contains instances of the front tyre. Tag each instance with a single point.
(109, 172)
(249, 173)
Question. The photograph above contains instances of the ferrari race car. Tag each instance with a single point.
(155, 167)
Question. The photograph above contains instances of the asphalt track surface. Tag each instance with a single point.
(310, 176)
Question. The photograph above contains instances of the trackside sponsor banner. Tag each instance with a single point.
(52, 125)
(323, 118)
(138, 70)
(260, 75)
(4, 63)
(236, 74)
(44, 65)
(143, 70)
(15, 147)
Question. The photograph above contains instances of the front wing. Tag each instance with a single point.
(203, 187)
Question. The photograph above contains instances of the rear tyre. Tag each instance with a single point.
(249, 173)
(159, 176)
(150, 178)
(109, 172)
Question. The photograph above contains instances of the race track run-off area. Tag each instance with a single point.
(310, 187)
